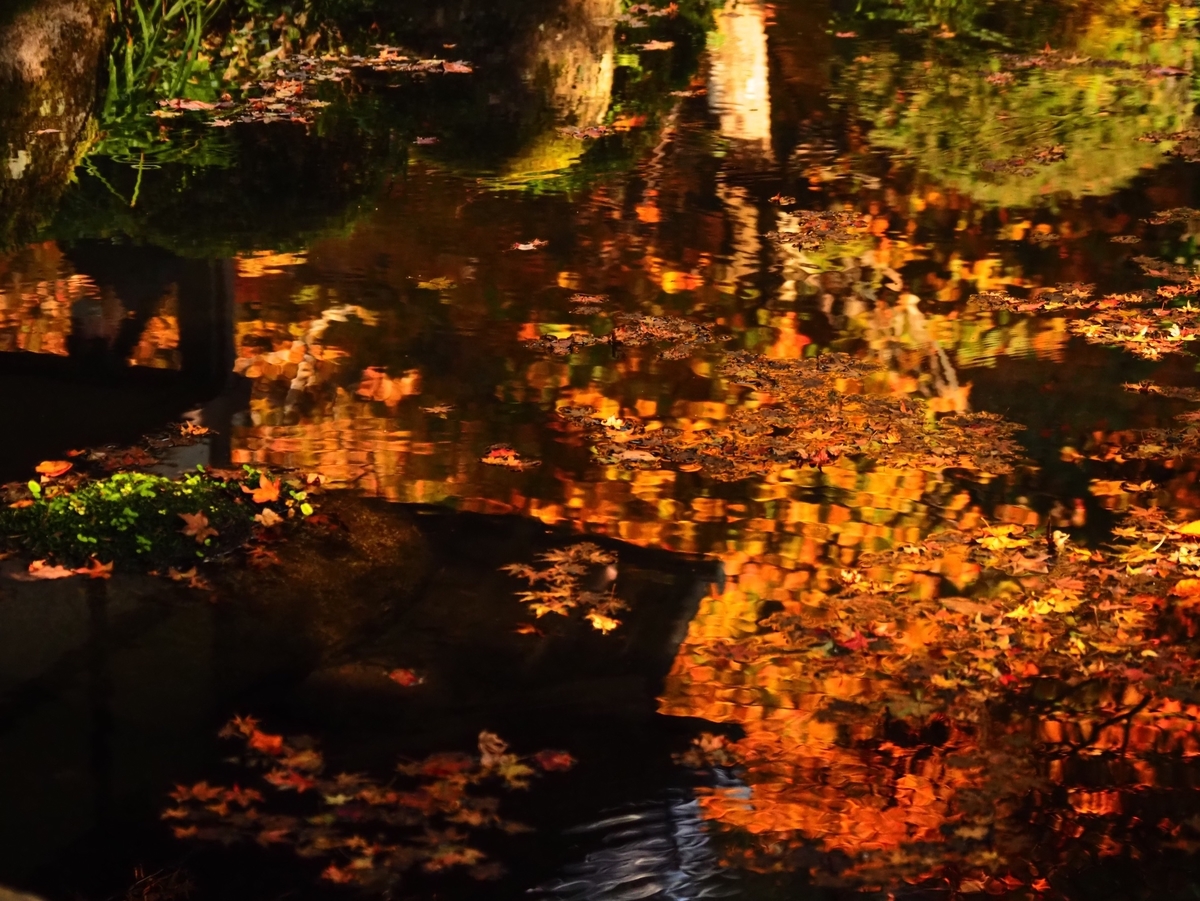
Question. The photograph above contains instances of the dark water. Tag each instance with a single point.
(343, 299)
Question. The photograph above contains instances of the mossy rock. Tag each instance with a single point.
(335, 584)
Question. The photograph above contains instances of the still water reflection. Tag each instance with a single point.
(800, 178)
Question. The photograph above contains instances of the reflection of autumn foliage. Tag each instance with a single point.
(889, 706)
(37, 292)
(158, 346)
(804, 413)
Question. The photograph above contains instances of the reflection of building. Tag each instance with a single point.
(738, 86)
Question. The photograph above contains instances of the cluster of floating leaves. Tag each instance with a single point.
(588, 304)
(564, 576)
(588, 133)
(630, 19)
(286, 98)
(1184, 144)
(508, 457)
(1156, 444)
(1149, 324)
(805, 413)
(366, 832)
(632, 330)
(1050, 59)
(1022, 165)
(813, 229)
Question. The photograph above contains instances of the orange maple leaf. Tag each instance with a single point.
(39, 569)
(266, 492)
(196, 526)
(239, 725)
(266, 743)
(243, 797)
(405, 677)
(52, 469)
(202, 791)
(96, 570)
(337, 874)
(550, 761)
(286, 779)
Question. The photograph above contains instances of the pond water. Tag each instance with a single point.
(818, 319)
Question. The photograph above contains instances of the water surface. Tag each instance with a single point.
(351, 298)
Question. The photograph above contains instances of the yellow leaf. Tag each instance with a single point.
(603, 623)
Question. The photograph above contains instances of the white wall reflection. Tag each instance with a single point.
(739, 90)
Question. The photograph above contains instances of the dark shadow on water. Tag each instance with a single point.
(112, 692)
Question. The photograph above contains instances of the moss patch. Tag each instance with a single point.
(138, 520)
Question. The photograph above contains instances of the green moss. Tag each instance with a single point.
(136, 519)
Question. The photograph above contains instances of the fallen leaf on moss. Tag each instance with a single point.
(266, 492)
(196, 526)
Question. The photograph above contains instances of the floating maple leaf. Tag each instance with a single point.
(503, 455)
(602, 623)
(266, 743)
(96, 570)
(190, 105)
(40, 569)
(405, 677)
(290, 779)
(563, 573)
(553, 761)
